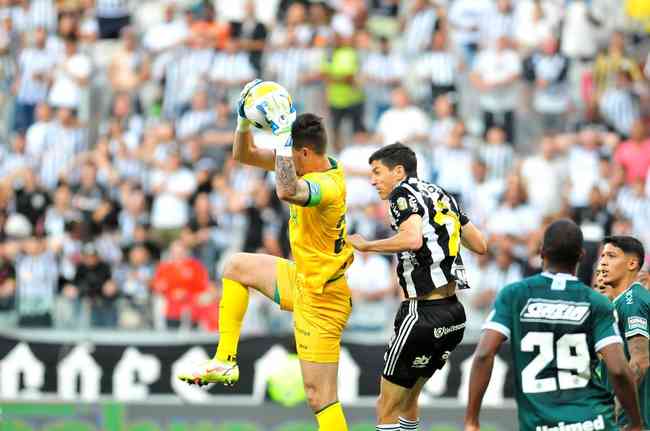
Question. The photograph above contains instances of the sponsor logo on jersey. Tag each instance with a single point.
(444, 330)
(554, 311)
(414, 203)
(421, 361)
(402, 204)
(589, 425)
(637, 322)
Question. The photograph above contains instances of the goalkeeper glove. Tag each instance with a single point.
(243, 123)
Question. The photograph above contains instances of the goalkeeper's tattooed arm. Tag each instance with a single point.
(287, 184)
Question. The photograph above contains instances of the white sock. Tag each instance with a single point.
(408, 425)
(393, 427)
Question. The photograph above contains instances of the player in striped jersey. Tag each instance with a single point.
(431, 321)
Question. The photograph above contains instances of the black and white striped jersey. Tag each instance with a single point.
(438, 260)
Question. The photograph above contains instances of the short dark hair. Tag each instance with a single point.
(397, 154)
(629, 245)
(563, 243)
(308, 131)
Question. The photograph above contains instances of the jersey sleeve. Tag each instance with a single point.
(462, 217)
(403, 204)
(500, 318)
(322, 189)
(633, 316)
(604, 330)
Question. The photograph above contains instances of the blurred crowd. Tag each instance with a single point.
(120, 202)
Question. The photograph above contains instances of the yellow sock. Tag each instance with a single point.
(331, 418)
(232, 309)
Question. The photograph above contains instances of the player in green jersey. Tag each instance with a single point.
(621, 260)
(556, 326)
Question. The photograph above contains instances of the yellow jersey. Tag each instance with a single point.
(317, 231)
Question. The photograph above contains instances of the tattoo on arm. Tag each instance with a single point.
(287, 180)
(638, 347)
(288, 186)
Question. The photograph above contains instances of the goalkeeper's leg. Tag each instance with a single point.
(243, 271)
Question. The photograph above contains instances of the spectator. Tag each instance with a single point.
(535, 22)
(252, 36)
(483, 195)
(453, 163)
(31, 200)
(197, 118)
(403, 122)
(71, 77)
(217, 33)
(545, 175)
(465, 18)
(112, 17)
(633, 155)
(35, 65)
(129, 67)
(167, 34)
(514, 219)
(547, 71)
(344, 94)
(199, 235)
(579, 33)
(498, 22)
(180, 279)
(61, 214)
(444, 122)
(419, 25)
(17, 161)
(583, 164)
(609, 64)
(373, 292)
(133, 279)
(382, 71)
(495, 76)
(619, 105)
(93, 282)
(440, 67)
(36, 282)
(497, 154)
(172, 186)
(90, 198)
(7, 282)
(37, 133)
(354, 159)
(187, 66)
(595, 221)
(231, 70)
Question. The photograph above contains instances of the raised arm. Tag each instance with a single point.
(244, 149)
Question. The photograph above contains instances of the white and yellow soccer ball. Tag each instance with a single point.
(268, 106)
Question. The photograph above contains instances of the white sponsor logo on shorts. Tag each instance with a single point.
(421, 361)
(444, 330)
(589, 425)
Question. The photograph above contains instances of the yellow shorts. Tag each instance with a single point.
(319, 318)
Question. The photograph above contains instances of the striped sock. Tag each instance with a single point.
(393, 427)
(408, 425)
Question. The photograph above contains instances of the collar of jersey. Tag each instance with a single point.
(564, 275)
(625, 291)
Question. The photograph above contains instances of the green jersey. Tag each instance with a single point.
(632, 311)
(556, 324)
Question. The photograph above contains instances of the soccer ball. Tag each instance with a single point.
(254, 102)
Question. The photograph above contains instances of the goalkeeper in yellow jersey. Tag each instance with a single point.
(313, 286)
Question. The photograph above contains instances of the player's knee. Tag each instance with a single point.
(235, 269)
(387, 408)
